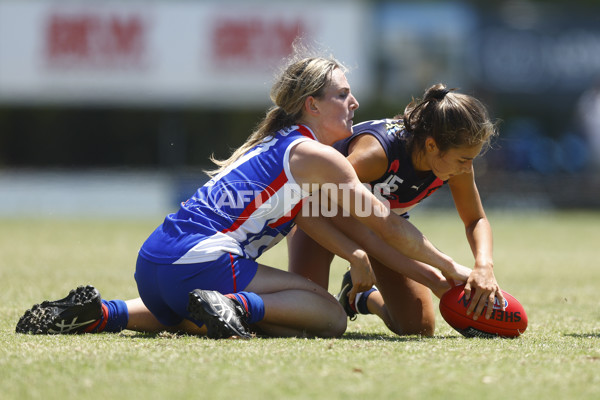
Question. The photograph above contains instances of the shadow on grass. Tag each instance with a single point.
(157, 335)
(346, 336)
(391, 338)
(594, 335)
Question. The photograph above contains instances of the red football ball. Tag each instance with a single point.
(509, 323)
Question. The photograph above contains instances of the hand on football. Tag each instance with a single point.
(482, 289)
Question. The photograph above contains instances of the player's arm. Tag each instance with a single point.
(367, 157)
(313, 163)
(392, 258)
(369, 160)
(482, 283)
(327, 235)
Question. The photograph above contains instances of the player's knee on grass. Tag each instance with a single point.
(425, 329)
(423, 324)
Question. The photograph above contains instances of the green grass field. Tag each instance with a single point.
(549, 261)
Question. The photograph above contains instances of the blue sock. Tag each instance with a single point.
(118, 316)
(361, 305)
(253, 303)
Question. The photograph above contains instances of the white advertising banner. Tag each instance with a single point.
(221, 54)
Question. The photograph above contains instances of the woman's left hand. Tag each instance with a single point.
(482, 289)
(361, 272)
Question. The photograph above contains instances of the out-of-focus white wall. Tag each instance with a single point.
(209, 53)
(89, 194)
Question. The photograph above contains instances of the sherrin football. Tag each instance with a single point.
(509, 323)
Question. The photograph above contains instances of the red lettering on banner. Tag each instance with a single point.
(253, 42)
(66, 36)
(92, 40)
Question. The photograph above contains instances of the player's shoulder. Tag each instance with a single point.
(315, 151)
(385, 126)
(314, 162)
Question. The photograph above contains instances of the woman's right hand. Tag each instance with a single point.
(457, 274)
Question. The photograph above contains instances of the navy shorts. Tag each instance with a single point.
(165, 288)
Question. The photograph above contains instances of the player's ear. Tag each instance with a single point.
(310, 105)
(430, 145)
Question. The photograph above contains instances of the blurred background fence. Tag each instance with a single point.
(113, 107)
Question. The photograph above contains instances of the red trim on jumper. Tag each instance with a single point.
(233, 272)
(305, 131)
(435, 185)
(288, 217)
(101, 322)
(259, 200)
(394, 166)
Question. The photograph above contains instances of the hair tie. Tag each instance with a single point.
(442, 93)
(436, 94)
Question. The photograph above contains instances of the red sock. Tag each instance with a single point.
(100, 324)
